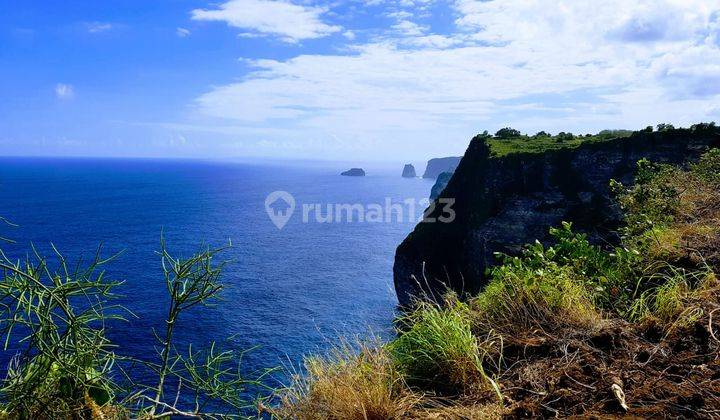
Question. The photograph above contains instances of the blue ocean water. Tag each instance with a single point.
(289, 292)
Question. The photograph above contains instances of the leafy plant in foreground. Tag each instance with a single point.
(55, 320)
(209, 376)
(65, 366)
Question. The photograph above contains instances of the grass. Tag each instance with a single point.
(678, 301)
(437, 349)
(521, 298)
(543, 142)
(350, 383)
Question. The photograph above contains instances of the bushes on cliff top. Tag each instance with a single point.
(673, 220)
(571, 280)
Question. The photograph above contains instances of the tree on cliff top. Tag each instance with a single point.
(507, 133)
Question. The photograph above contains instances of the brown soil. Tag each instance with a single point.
(662, 376)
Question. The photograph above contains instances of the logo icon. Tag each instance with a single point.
(279, 206)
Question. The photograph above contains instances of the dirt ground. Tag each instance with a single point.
(676, 375)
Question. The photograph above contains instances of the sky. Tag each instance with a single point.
(378, 80)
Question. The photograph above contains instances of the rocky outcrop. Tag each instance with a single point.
(502, 203)
(409, 171)
(440, 183)
(439, 165)
(354, 172)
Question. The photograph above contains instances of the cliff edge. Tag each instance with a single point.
(503, 202)
(437, 166)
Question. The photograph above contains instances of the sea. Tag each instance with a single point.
(288, 293)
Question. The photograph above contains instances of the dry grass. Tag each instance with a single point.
(349, 384)
(679, 302)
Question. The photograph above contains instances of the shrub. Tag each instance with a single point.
(677, 301)
(520, 297)
(58, 317)
(507, 133)
(708, 167)
(563, 136)
(671, 214)
(603, 276)
(653, 199)
(65, 366)
(436, 347)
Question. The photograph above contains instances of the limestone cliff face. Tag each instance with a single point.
(439, 165)
(502, 203)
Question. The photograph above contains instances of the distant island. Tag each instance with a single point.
(354, 172)
(409, 171)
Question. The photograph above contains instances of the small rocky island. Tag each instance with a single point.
(354, 172)
(409, 171)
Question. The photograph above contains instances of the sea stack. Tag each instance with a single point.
(409, 171)
(354, 172)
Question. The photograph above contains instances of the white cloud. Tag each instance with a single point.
(541, 64)
(291, 22)
(182, 32)
(64, 91)
(409, 28)
(97, 27)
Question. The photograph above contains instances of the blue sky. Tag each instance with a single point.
(348, 79)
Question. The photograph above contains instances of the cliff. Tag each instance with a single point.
(503, 202)
(439, 165)
(409, 171)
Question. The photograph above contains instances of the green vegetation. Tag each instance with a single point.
(509, 141)
(559, 329)
(66, 367)
(437, 347)
(535, 288)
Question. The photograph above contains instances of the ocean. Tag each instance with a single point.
(288, 293)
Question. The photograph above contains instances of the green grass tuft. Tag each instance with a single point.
(437, 347)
